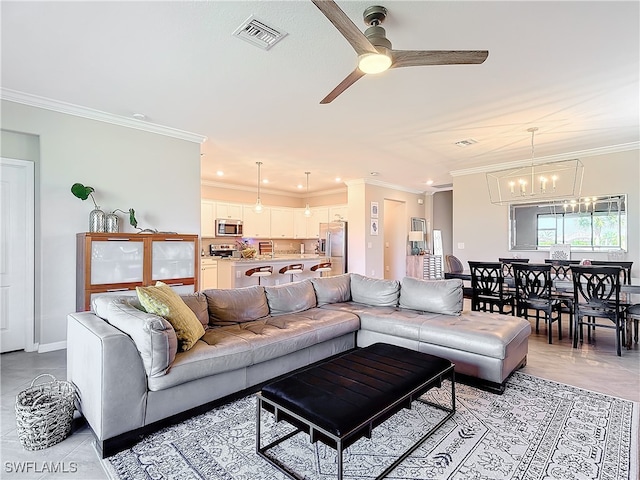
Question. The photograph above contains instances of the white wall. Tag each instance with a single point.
(484, 227)
(156, 175)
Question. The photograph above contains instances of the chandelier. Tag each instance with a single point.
(536, 181)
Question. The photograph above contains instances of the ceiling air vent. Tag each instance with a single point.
(259, 33)
(443, 185)
(466, 142)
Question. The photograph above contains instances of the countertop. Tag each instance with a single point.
(276, 259)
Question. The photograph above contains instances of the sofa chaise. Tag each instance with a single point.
(132, 374)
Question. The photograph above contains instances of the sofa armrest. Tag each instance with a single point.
(107, 370)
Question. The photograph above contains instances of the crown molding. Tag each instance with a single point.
(623, 147)
(85, 112)
(244, 188)
(378, 183)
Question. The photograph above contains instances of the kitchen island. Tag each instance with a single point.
(231, 271)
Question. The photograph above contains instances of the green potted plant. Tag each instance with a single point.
(97, 218)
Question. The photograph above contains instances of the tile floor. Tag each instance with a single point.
(594, 367)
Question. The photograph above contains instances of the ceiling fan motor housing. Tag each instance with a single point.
(377, 37)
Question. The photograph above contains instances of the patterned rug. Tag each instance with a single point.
(537, 429)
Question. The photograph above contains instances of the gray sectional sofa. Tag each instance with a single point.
(130, 375)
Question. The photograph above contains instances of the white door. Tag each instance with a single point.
(16, 255)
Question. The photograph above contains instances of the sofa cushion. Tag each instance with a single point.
(162, 300)
(236, 305)
(436, 296)
(335, 289)
(374, 291)
(197, 302)
(153, 336)
(290, 297)
(241, 345)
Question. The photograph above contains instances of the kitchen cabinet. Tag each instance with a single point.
(207, 219)
(338, 213)
(282, 222)
(232, 211)
(117, 263)
(309, 227)
(256, 225)
(208, 273)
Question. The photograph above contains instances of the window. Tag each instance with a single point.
(597, 224)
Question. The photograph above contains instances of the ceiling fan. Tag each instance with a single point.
(374, 50)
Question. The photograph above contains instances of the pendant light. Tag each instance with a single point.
(258, 206)
(307, 210)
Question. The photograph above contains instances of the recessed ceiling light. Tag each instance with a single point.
(139, 116)
(374, 174)
(220, 173)
(338, 179)
(299, 185)
(429, 182)
(265, 180)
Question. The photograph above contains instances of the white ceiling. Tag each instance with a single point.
(569, 68)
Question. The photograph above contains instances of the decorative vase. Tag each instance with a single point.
(96, 220)
(112, 223)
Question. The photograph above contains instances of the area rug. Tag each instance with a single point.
(538, 429)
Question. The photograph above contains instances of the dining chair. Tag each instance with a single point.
(534, 292)
(633, 315)
(507, 264)
(596, 294)
(454, 265)
(561, 270)
(488, 288)
(625, 273)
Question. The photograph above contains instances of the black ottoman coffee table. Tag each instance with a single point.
(343, 399)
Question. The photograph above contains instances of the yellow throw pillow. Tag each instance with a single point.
(163, 301)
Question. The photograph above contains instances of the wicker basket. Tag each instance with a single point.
(44, 413)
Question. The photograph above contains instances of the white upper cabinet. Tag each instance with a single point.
(282, 222)
(256, 225)
(309, 227)
(232, 211)
(338, 213)
(207, 219)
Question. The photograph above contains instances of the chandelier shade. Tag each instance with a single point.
(536, 182)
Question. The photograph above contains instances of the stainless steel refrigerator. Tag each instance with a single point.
(333, 244)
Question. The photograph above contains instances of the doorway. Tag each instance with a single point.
(395, 239)
(16, 255)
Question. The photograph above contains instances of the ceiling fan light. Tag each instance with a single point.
(372, 63)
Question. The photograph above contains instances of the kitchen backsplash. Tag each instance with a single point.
(280, 246)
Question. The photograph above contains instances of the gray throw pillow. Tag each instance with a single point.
(290, 297)
(436, 296)
(236, 305)
(335, 289)
(374, 291)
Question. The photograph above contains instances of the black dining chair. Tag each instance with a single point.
(596, 294)
(507, 264)
(561, 270)
(534, 292)
(488, 288)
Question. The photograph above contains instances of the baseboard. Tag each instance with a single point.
(51, 347)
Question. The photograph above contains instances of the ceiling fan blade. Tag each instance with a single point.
(352, 78)
(345, 26)
(415, 58)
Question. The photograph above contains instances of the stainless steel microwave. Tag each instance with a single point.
(228, 228)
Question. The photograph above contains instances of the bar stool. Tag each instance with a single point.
(292, 270)
(322, 267)
(264, 271)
